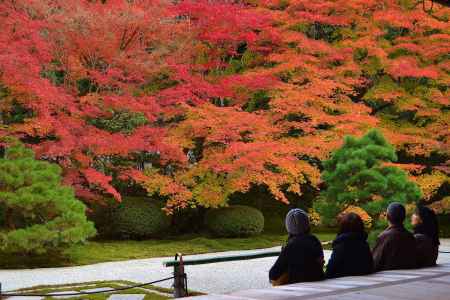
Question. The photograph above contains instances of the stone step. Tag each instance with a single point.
(418, 284)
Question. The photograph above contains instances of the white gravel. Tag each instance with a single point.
(222, 277)
(218, 277)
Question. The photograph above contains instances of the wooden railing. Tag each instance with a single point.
(202, 261)
(180, 281)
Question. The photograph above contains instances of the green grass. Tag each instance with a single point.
(147, 290)
(123, 250)
(97, 251)
(107, 251)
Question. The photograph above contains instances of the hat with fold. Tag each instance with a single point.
(297, 222)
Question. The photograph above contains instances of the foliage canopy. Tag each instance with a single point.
(196, 100)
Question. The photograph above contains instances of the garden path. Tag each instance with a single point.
(225, 277)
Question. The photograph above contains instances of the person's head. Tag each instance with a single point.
(351, 222)
(424, 221)
(416, 220)
(396, 213)
(297, 222)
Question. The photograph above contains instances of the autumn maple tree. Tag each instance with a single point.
(107, 79)
(196, 100)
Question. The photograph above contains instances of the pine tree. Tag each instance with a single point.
(360, 174)
(39, 214)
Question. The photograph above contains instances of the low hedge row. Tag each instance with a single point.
(137, 218)
(235, 221)
(142, 217)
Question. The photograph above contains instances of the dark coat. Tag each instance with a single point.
(301, 258)
(427, 250)
(395, 249)
(351, 256)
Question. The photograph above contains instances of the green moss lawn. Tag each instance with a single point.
(150, 292)
(106, 251)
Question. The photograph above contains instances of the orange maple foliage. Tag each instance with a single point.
(196, 100)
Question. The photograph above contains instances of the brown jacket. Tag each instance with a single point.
(395, 249)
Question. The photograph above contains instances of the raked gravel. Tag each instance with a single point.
(224, 277)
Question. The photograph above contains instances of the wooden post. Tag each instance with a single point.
(179, 283)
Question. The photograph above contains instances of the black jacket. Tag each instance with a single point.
(301, 258)
(351, 256)
(427, 250)
(395, 249)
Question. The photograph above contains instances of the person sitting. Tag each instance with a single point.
(395, 247)
(426, 232)
(351, 254)
(302, 258)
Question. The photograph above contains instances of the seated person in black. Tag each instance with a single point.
(426, 233)
(351, 254)
(302, 257)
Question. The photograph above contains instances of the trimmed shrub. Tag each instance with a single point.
(235, 221)
(138, 218)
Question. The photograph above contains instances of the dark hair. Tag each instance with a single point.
(396, 213)
(350, 222)
(429, 225)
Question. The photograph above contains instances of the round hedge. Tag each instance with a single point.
(235, 221)
(138, 218)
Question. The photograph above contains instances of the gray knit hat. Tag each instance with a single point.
(396, 213)
(297, 222)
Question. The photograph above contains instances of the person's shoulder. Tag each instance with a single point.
(351, 236)
(315, 243)
(293, 244)
(404, 235)
(305, 239)
(294, 240)
(395, 231)
(420, 237)
(386, 233)
(313, 238)
(351, 240)
(390, 234)
(407, 233)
